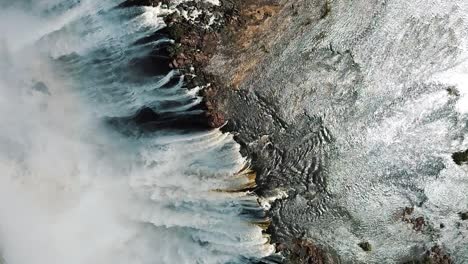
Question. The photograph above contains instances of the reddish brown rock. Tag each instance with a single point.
(302, 251)
(418, 223)
(436, 255)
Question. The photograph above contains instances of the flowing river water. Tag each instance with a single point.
(105, 158)
(84, 178)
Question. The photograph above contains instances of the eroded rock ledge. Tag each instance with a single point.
(236, 51)
(202, 30)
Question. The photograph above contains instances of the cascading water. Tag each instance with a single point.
(104, 156)
(85, 177)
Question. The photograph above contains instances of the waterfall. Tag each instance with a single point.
(102, 154)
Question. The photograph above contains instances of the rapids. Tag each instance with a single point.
(76, 185)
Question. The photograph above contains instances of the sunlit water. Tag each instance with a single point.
(390, 80)
(74, 189)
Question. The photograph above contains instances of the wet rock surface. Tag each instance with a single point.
(434, 255)
(287, 149)
(194, 28)
(366, 246)
(306, 252)
(418, 223)
(304, 103)
(463, 216)
(131, 3)
(460, 157)
(201, 30)
(310, 99)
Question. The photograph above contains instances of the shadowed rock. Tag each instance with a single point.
(132, 3)
(147, 120)
(146, 115)
(306, 252)
(155, 63)
(460, 157)
(464, 216)
(435, 255)
(366, 246)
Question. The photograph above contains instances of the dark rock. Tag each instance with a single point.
(157, 62)
(463, 216)
(177, 31)
(216, 119)
(132, 3)
(146, 115)
(418, 223)
(460, 157)
(435, 255)
(366, 246)
(408, 211)
(453, 91)
(193, 48)
(306, 252)
(146, 121)
(183, 122)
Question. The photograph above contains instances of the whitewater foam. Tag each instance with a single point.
(74, 189)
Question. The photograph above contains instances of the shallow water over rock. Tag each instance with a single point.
(354, 113)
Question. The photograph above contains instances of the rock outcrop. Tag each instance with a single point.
(310, 88)
(313, 90)
(460, 157)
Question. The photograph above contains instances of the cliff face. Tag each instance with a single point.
(345, 107)
(353, 113)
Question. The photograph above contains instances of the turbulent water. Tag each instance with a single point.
(357, 113)
(79, 183)
(356, 116)
(399, 111)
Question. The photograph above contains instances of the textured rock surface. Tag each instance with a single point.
(343, 106)
(352, 111)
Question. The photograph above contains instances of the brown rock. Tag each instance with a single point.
(436, 255)
(408, 211)
(418, 223)
(216, 119)
(305, 252)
